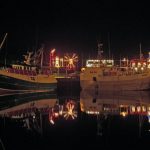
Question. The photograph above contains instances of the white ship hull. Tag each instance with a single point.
(100, 82)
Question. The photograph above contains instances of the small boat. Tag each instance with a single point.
(106, 77)
(28, 75)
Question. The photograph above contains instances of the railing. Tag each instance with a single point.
(26, 72)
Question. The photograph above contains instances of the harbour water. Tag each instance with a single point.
(69, 118)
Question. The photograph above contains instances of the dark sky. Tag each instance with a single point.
(76, 26)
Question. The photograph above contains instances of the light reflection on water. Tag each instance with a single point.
(90, 114)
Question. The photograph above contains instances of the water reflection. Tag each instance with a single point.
(98, 118)
(130, 107)
(123, 103)
(41, 104)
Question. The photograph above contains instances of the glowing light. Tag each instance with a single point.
(51, 121)
(133, 64)
(124, 59)
(52, 57)
(136, 68)
(138, 108)
(57, 62)
(148, 59)
(139, 64)
(148, 115)
(70, 111)
(82, 69)
(148, 66)
(56, 114)
(123, 110)
(123, 114)
(149, 54)
(148, 108)
(53, 50)
(143, 108)
(96, 63)
(70, 60)
(133, 108)
(93, 112)
(51, 118)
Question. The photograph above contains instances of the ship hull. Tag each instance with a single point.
(116, 84)
(10, 83)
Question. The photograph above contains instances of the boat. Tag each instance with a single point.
(47, 103)
(20, 79)
(103, 75)
(28, 75)
(28, 107)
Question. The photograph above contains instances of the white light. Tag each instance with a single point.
(148, 113)
(96, 62)
(136, 68)
(138, 108)
(124, 59)
(133, 108)
(53, 50)
(52, 122)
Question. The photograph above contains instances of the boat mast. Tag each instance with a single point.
(140, 52)
(3, 41)
(41, 63)
(100, 51)
(109, 44)
(1, 45)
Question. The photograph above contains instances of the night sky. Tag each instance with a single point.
(75, 26)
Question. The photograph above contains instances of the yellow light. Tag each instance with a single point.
(136, 68)
(123, 114)
(143, 109)
(57, 62)
(149, 60)
(70, 111)
(71, 60)
(139, 64)
(133, 108)
(148, 108)
(82, 69)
